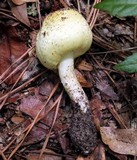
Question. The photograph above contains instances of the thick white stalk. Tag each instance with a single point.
(71, 84)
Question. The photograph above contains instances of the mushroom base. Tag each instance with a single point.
(83, 132)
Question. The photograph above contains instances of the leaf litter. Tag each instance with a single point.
(12, 47)
(34, 119)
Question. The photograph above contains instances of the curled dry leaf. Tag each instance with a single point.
(122, 141)
(98, 154)
(97, 107)
(12, 46)
(80, 158)
(50, 155)
(20, 2)
(82, 79)
(17, 119)
(20, 12)
(106, 89)
(85, 66)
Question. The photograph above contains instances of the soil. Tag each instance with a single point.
(86, 141)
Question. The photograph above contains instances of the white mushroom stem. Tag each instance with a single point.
(64, 36)
(71, 84)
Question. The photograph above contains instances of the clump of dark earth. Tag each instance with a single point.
(83, 132)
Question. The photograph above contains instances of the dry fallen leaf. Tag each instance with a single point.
(20, 2)
(20, 12)
(98, 154)
(122, 141)
(97, 106)
(85, 66)
(106, 89)
(82, 80)
(17, 119)
(37, 134)
(11, 46)
(50, 155)
(31, 105)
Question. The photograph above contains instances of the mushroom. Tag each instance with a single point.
(64, 36)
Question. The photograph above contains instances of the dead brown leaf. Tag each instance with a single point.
(20, 2)
(98, 154)
(106, 89)
(97, 106)
(50, 155)
(122, 141)
(37, 134)
(85, 66)
(82, 80)
(17, 119)
(31, 105)
(20, 12)
(11, 47)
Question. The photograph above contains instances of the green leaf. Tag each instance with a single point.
(119, 8)
(128, 65)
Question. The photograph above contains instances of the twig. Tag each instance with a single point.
(20, 87)
(1, 105)
(79, 10)
(39, 14)
(48, 135)
(63, 3)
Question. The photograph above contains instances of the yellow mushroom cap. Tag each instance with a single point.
(63, 32)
